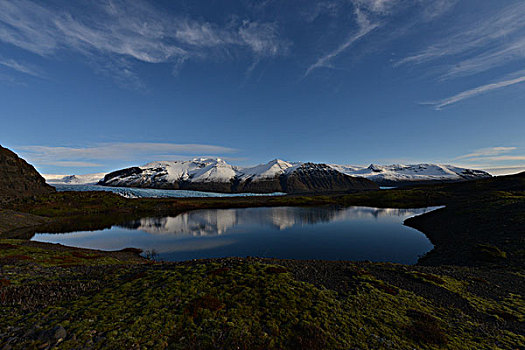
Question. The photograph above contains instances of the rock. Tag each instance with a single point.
(311, 177)
(59, 333)
(18, 179)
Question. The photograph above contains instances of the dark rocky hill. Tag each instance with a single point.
(18, 179)
(311, 177)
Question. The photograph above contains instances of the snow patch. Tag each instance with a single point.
(412, 172)
(73, 179)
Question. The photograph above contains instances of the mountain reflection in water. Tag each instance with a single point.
(354, 233)
(216, 222)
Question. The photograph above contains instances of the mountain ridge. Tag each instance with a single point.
(216, 175)
(162, 174)
(401, 174)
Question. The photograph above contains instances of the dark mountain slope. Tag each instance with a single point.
(18, 179)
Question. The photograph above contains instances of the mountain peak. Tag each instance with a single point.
(375, 167)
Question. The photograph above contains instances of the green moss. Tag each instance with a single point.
(16, 252)
(240, 303)
(510, 308)
(489, 252)
(426, 277)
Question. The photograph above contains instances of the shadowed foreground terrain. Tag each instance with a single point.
(467, 293)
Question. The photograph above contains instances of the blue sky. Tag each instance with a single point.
(91, 86)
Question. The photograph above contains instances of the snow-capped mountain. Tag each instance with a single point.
(398, 174)
(268, 170)
(86, 179)
(208, 174)
(216, 175)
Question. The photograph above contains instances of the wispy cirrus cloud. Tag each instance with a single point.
(97, 155)
(129, 31)
(365, 26)
(504, 158)
(69, 164)
(492, 58)
(372, 16)
(505, 170)
(20, 67)
(485, 152)
(381, 6)
(472, 47)
(438, 105)
(475, 46)
(497, 160)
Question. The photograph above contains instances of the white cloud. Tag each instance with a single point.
(365, 27)
(311, 11)
(20, 67)
(29, 26)
(474, 92)
(128, 30)
(495, 160)
(490, 59)
(71, 164)
(93, 155)
(500, 158)
(374, 14)
(479, 45)
(425, 10)
(436, 8)
(381, 6)
(490, 151)
(505, 170)
(262, 38)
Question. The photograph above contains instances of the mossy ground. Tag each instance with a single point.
(249, 304)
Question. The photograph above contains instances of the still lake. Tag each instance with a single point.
(354, 233)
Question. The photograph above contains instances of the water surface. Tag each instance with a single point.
(355, 233)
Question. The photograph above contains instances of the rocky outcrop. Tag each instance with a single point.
(18, 179)
(310, 177)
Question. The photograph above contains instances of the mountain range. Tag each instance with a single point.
(216, 175)
(210, 174)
